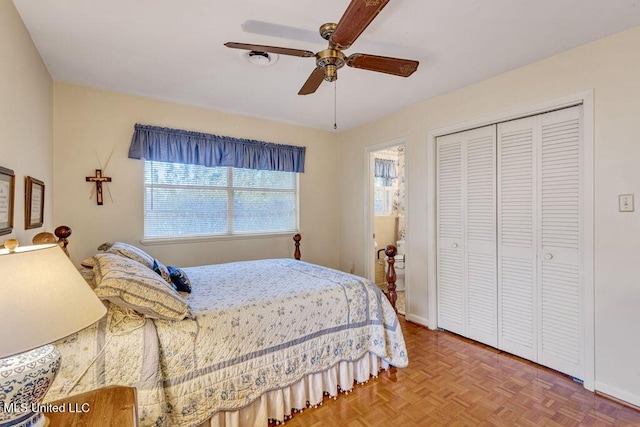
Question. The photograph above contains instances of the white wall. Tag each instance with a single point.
(26, 118)
(90, 124)
(611, 67)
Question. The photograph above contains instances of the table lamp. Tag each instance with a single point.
(43, 298)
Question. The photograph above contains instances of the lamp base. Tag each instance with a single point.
(25, 379)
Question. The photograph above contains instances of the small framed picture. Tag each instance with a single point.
(7, 196)
(33, 203)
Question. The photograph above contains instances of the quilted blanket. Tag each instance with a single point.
(258, 326)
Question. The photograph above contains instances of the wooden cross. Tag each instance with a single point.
(99, 179)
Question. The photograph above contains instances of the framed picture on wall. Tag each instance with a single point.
(33, 203)
(7, 196)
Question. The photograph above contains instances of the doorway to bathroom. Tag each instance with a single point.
(387, 214)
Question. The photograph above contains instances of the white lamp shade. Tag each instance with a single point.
(43, 298)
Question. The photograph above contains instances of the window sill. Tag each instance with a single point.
(199, 239)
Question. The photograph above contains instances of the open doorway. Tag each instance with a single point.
(386, 211)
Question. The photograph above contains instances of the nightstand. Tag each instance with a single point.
(108, 406)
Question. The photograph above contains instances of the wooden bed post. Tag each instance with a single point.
(62, 233)
(296, 238)
(390, 251)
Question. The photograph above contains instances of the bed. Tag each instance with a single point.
(258, 341)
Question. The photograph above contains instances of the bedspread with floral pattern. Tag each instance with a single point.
(258, 326)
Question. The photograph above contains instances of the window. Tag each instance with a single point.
(383, 198)
(183, 200)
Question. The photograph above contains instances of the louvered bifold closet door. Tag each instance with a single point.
(517, 244)
(450, 234)
(466, 284)
(539, 239)
(559, 264)
(480, 247)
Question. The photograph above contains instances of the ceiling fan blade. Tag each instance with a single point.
(271, 49)
(383, 64)
(282, 31)
(313, 82)
(356, 18)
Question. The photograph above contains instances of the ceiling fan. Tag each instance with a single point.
(341, 36)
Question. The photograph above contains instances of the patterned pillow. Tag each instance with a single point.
(88, 275)
(88, 263)
(180, 279)
(162, 270)
(128, 283)
(128, 251)
(106, 245)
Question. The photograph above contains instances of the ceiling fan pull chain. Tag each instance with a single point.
(335, 104)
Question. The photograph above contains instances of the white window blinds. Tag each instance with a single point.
(183, 200)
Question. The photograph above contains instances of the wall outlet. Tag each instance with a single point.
(625, 202)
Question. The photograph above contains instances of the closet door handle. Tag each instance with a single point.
(455, 245)
(548, 256)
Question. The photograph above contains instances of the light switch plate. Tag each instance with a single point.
(625, 202)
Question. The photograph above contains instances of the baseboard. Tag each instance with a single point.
(417, 319)
(617, 394)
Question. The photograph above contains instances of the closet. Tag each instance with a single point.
(509, 235)
(466, 245)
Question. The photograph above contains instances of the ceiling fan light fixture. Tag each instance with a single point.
(261, 59)
(330, 73)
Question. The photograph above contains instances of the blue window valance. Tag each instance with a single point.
(386, 169)
(195, 148)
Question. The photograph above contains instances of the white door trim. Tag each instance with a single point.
(584, 98)
(369, 266)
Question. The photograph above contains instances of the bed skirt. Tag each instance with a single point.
(278, 405)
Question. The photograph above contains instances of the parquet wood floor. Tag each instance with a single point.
(452, 381)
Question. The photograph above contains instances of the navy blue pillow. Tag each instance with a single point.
(179, 279)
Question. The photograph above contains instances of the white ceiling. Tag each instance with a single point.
(173, 49)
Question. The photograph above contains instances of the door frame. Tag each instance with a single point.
(369, 215)
(586, 99)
